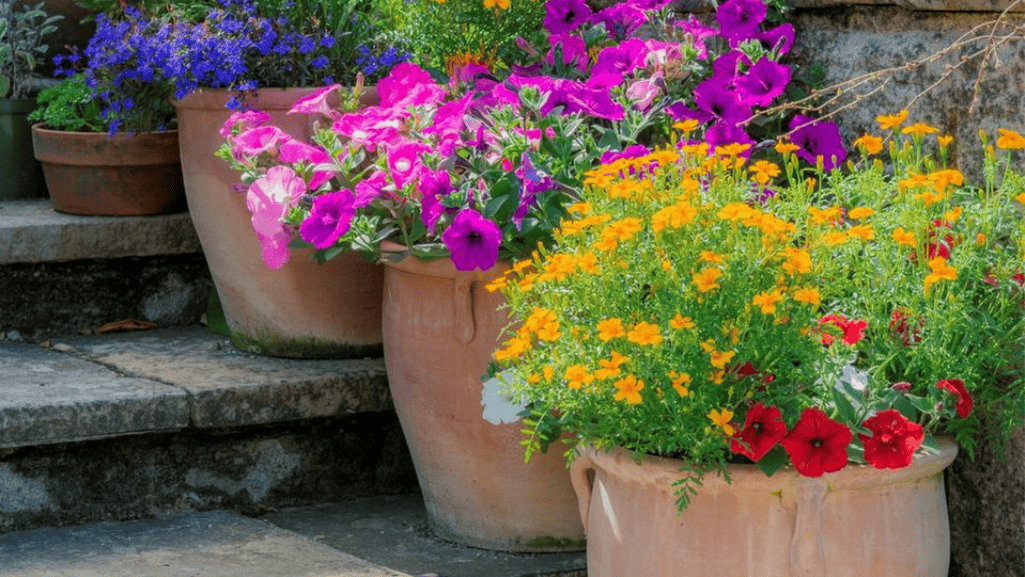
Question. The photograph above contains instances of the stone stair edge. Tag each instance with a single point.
(166, 380)
(31, 231)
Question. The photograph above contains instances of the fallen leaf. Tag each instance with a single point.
(125, 325)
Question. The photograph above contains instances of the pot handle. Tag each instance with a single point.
(807, 558)
(580, 475)
(464, 326)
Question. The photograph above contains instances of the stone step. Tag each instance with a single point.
(373, 537)
(136, 424)
(62, 273)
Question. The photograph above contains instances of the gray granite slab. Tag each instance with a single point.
(228, 387)
(32, 231)
(48, 397)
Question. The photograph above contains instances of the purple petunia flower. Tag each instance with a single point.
(765, 81)
(565, 15)
(739, 19)
(472, 240)
(620, 20)
(780, 38)
(330, 218)
(432, 185)
(720, 102)
(573, 49)
(817, 139)
(722, 133)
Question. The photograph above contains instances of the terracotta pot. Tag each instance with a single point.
(91, 173)
(857, 522)
(441, 328)
(304, 309)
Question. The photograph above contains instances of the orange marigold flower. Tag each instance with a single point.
(798, 262)
(919, 129)
(609, 329)
(577, 376)
(680, 322)
(904, 237)
(808, 296)
(689, 125)
(945, 140)
(644, 334)
(721, 419)
(862, 231)
(892, 121)
(860, 212)
(629, 390)
(706, 279)
(785, 147)
(940, 271)
(514, 347)
(1010, 140)
(680, 382)
(767, 301)
(871, 144)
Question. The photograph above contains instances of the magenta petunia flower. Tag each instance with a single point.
(400, 82)
(780, 39)
(268, 199)
(370, 189)
(596, 103)
(573, 49)
(432, 185)
(740, 19)
(721, 133)
(371, 126)
(697, 33)
(644, 92)
(472, 240)
(565, 15)
(622, 58)
(245, 120)
(256, 141)
(404, 161)
(763, 83)
(724, 105)
(315, 103)
(330, 218)
(620, 20)
(817, 139)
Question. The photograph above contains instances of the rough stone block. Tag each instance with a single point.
(47, 397)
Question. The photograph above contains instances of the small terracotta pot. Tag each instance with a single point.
(125, 175)
(302, 310)
(441, 328)
(857, 522)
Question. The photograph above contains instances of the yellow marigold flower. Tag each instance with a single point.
(732, 149)
(892, 121)
(526, 283)
(644, 334)
(558, 267)
(680, 322)
(735, 211)
(785, 147)
(709, 256)
(500, 4)
(871, 144)
(626, 228)
(919, 129)
(579, 208)
(1020, 198)
(689, 125)
(706, 279)
(940, 271)
(720, 359)
(538, 318)
(981, 239)
(534, 378)
(617, 360)
(629, 390)
(577, 376)
(862, 231)
(1010, 140)
(798, 262)
(588, 263)
(808, 296)
(699, 150)
(835, 238)
(674, 216)
(717, 377)
(607, 243)
(680, 382)
(522, 265)
(665, 157)
(610, 328)
(904, 237)
(498, 284)
(721, 419)
(763, 171)
(548, 372)
(767, 301)
(943, 178)
(860, 212)
(549, 332)
(930, 198)
(944, 140)
(953, 215)
(514, 347)
(822, 216)
(667, 265)
(599, 179)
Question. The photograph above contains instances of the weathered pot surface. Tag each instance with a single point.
(857, 522)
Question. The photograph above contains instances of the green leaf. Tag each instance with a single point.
(843, 404)
(773, 461)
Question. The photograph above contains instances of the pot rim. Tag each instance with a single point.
(38, 127)
(263, 98)
(440, 267)
(750, 479)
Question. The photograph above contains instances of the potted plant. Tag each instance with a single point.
(249, 55)
(791, 367)
(91, 172)
(448, 183)
(22, 30)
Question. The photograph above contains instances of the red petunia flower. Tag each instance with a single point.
(763, 428)
(901, 328)
(817, 444)
(894, 440)
(853, 331)
(964, 400)
(940, 248)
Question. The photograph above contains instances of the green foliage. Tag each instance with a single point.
(69, 106)
(21, 46)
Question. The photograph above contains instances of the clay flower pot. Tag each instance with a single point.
(441, 328)
(302, 310)
(857, 522)
(126, 175)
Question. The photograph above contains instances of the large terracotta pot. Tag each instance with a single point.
(857, 522)
(441, 328)
(303, 309)
(94, 174)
